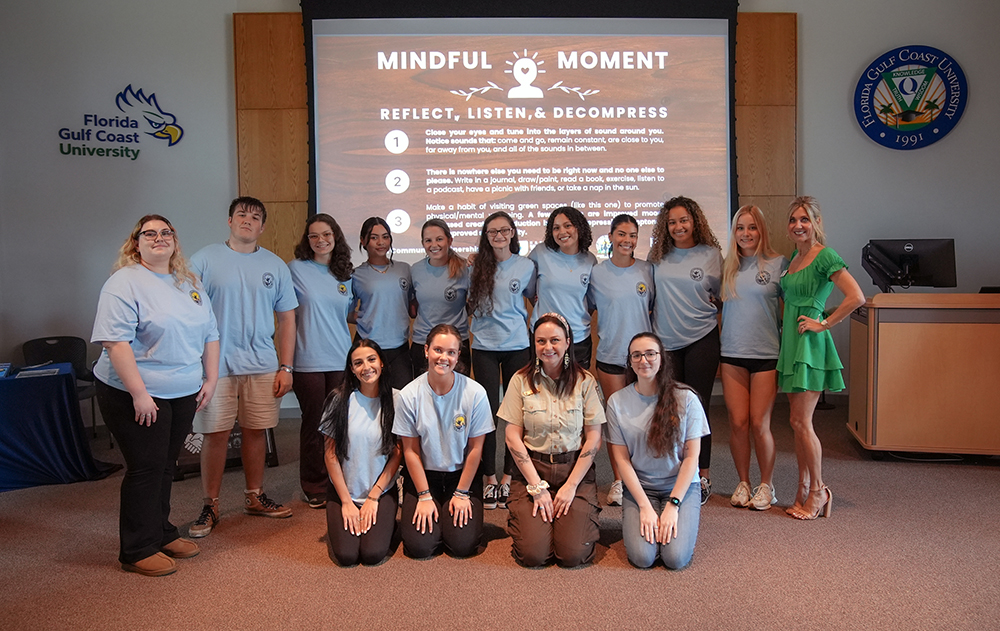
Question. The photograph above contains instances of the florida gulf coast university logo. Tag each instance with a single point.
(910, 97)
(119, 135)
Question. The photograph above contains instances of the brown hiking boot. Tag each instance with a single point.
(263, 506)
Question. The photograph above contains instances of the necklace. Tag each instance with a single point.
(380, 271)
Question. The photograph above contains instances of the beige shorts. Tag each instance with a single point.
(247, 398)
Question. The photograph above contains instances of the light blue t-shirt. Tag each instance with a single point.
(505, 328)
(322, 338)
(629, 414)
(167, 327)
(383, 297)
(562, 287)
(686, 281)
(365, 462)
(246, 291)
(444, 424)
(750, 321)
(440, 299)
(623, 297)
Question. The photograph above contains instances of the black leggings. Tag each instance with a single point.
(371, 547)
(696, 365)
(459, 541)
(491, 368)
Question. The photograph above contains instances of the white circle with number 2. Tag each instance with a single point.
(397, 181)
(396, 141)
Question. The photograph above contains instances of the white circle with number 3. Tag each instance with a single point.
(396, 141)
(398, 220)
(397, 181)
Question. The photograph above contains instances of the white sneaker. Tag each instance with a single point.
(615, 494)
(741, 496)
(763, 497)
(706, 490)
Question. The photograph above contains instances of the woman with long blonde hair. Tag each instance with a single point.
(750, 313)
(808, 362)
(159, 365)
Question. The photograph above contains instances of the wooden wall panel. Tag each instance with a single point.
(274, 154)
(270, 60)
(285, 223)
(766, 52)
(765, 149)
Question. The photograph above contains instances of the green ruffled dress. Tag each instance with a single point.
(809, 362)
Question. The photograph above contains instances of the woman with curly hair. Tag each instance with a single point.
(160, 364)
(440, 288)
(321, 275)
(655, 427)
(502, 280)
(564, 265)
(554, 415)
(750, 313)
(361, 456)
(687, 270)
(384, 295)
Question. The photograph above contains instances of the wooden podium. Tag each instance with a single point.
(925, 373)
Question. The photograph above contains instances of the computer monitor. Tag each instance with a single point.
(910, 262)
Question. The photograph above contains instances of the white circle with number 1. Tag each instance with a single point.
(397, 141)
(398, 220)
(397, 181)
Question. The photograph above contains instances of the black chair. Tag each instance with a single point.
(66, 349)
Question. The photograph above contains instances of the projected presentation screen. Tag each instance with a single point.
(459, 118)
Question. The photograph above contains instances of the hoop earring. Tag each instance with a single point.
(566, 360)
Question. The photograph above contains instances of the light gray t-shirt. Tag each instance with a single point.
(443, 423)
(322, 337)
(686, 281)
(440, 299)
(383, 297)
(365, 462)
(505, 328)
(562, 287)
(629, 414)
(623, 297)
(750, 321)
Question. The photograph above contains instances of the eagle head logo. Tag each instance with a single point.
(163, 124)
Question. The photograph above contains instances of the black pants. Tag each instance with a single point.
(311, 389)
(583, 350)
(457, 541)
(371, 547)
(696, 365)
(150, 457)
(493, 368)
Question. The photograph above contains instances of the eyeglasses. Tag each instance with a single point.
(505, 232)
(316, 237)
(165, 234)
(649, 355)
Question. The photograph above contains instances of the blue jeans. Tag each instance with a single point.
(676, 554)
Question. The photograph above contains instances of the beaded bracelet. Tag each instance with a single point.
(426, 499)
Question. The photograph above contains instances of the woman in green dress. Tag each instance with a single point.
(808, 363)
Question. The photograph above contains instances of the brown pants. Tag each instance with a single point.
(570, 538)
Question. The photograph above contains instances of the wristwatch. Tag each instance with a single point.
(286, 368)
(676, 502)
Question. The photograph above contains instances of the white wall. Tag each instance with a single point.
(62, 218)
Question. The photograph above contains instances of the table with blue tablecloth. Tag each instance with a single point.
(42, 437)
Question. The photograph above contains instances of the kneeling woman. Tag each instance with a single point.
(442, 418)
(655, 428)
(554, 413)
(362, 458)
